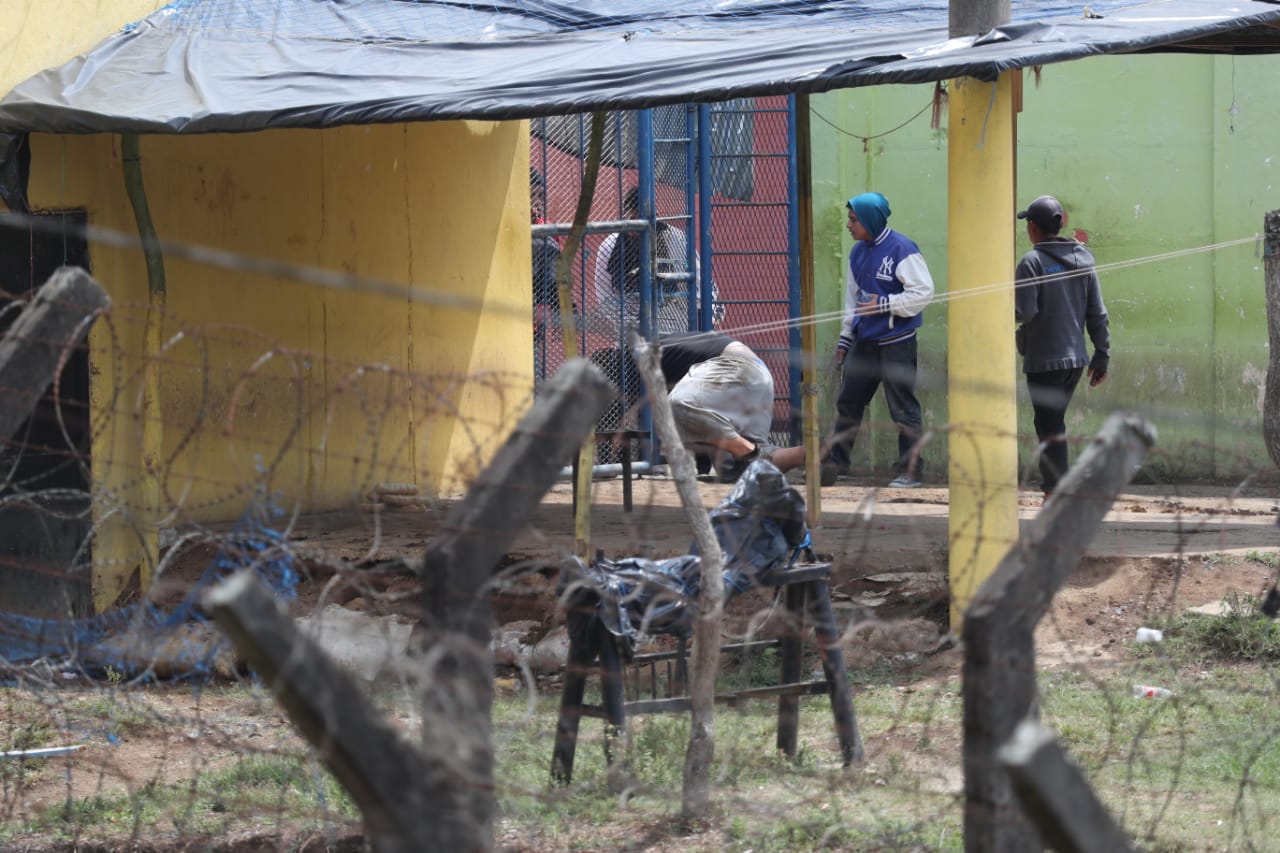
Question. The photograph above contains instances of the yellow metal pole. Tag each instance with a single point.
(569, 327)
(981, 360)
(808, 311)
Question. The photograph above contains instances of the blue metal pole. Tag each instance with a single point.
(704, 212)
(644, 167)
(793, 270)
(644, 174)
(694, 286)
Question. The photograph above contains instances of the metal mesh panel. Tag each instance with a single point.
(752, 211)
(656, 155)
(558, 153)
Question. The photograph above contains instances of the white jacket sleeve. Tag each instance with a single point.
(608, 301)
(917, 287)
(848, 328)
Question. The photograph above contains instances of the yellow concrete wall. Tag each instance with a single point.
(270, 382)
(40, 34)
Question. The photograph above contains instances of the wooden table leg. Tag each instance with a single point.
(613, 697)
(626, 474)
(792, 647)
(574, 686)
(682, 666)
(828, 637)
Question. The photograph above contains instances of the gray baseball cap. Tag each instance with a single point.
(1045, 212)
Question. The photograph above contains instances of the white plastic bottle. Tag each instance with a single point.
(1148, 691)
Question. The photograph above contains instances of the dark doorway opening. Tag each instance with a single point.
(45, 519)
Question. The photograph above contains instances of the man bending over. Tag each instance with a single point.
(722, 401)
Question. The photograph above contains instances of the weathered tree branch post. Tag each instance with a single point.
(696, 797)
(998, 634)
(439, 797)
(34, 347)
(1055, 796)
(388, 779)
(1271, 275)
(456, 572)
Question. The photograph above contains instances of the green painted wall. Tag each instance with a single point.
(1159, 159)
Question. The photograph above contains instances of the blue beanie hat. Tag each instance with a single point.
(872, 210)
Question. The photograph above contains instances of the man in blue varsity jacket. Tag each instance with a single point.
(888, 286)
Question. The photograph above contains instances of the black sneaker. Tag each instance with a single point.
(829, 473)
(703, 463)
(731, 467)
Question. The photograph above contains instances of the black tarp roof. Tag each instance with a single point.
(230, 65)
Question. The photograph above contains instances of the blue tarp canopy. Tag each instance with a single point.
(199, 66)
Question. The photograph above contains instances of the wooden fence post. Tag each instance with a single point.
(999, 664)
(1055, 796)
(456, 610)
(439, 796)
(698, 758)
(35, 345)
(386, 778)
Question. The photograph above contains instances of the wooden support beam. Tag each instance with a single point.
(696, 796)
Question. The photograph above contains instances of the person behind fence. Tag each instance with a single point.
(887, 288)
(546, 297)
(616, 286)
(722, 401)
(1056, 301)
(617, 278)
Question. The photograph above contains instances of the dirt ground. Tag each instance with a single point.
(1158, 549)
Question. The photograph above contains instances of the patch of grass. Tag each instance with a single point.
(1201, 766)
(27, 731)
(748, 668)
(1212, 561)
(1240, 634)
(290, 789)
(1270, 559)
(113, 712)
(297, 785)
(763, 800)
(883, 672)
(1195, 772)
(33, 733)
(109, 815)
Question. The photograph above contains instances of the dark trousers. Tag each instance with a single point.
(867, 366)
(1050, 395)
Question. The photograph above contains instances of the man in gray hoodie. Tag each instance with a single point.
(1057, 299)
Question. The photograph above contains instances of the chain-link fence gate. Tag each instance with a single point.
(708, 195)
(749, 202)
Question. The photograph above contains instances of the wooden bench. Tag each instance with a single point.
(806, 593)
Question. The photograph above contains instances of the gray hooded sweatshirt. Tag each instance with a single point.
(1057, 300)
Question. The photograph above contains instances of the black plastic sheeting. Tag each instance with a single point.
(761, 530)
(227, 65)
